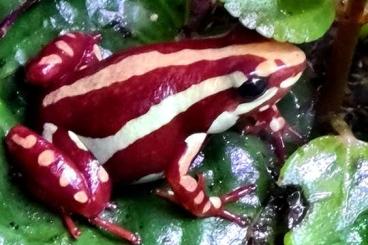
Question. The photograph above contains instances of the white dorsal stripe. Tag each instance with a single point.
(159, 115)
(140, 64)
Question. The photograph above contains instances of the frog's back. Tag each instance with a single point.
(140, 104)
(97, 101)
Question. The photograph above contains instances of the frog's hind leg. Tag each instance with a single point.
(190, 192)
(62, 57)
(62, 173)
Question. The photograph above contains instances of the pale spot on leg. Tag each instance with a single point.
(103, 176)
(27, 142)
(216, 202)
(52, 59)
(63, 46)
(277, 124)
(189, 183)
(67, 176)
(81, 197)
(206, 207)
(63, 180)
(46, 158)
(199, 198)
(97, 52)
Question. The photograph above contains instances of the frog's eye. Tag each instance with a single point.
(253, 87)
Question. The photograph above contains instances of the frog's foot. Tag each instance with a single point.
(199, 204)
(273, 126)
(116, 230)
(190, 192)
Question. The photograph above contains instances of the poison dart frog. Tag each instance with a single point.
(142, 113)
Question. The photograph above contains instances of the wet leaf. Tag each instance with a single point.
(333, 176)
(285, 20)
(122, 24)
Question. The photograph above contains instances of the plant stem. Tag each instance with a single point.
(9, 20)
(343, 47)
(343, 129)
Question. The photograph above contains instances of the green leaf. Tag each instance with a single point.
(285, 20)
(332, 173)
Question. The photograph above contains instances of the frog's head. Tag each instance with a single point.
(275, 68)
(281, 66)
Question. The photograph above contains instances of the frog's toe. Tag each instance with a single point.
(217, 205)
(166, 193)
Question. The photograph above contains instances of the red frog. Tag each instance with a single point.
(142, 113)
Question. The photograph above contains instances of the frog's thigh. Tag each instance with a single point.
(193, 145)
(190, 192)
(185, 189)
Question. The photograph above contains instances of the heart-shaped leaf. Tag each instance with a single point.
(332, 172)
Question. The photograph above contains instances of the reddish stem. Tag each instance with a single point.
(116, 230)
(12, 17)
(348, 28)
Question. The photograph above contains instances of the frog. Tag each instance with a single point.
(144, 113)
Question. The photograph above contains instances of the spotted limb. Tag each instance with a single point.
(190, 193)
(67, 177)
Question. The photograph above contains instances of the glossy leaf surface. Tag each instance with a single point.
(285, 20)
(333, 176)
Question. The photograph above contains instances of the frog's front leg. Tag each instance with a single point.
(64, 175)
(190, 193)
(62, 57)
(270, 122)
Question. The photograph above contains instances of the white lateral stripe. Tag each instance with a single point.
(290, 81)
(228, 118)
(158, 116)
(247, 107)
(223, 122)
(140, 64)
